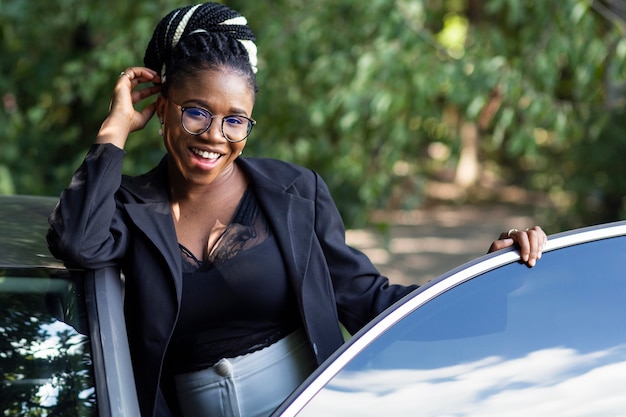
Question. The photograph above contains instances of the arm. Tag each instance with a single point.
(86, 228)
(361, 293)
(123, 118)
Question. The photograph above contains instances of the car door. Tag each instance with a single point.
(492, 338)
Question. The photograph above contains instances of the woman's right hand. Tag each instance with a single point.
(123, 118)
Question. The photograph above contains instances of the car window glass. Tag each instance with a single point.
(513, 341)
(45, 358)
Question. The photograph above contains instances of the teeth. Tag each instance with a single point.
(206, 154)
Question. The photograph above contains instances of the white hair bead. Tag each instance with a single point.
(251, 49)
(183, 24)
(249, 45)
(237, 21)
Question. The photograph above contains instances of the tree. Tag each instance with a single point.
(57, 81)
(377, 96)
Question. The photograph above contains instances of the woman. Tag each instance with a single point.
(236, 268)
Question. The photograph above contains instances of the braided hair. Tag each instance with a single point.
(196, 38)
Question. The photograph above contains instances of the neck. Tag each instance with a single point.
(182, 189)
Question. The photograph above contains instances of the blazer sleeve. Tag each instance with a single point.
(86, 227)
(361, 292)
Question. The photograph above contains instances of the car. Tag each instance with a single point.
(63, 345)
(490, 337)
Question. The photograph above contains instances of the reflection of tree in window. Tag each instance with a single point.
(45, 363)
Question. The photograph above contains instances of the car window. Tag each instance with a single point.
(45, 360)
(512, 341)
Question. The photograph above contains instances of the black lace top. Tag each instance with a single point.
(237, 300)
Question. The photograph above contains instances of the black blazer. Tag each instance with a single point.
(106, 219)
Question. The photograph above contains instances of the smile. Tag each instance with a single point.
(206, 154)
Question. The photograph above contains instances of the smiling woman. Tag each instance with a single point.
(236, 269)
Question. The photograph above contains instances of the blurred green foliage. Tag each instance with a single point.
(375, 95)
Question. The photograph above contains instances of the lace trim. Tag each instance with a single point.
(207, 354)
(247, 230)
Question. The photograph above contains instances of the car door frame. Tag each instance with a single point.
(116, 394)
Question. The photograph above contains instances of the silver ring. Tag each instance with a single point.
(508, 234)
(124, 73)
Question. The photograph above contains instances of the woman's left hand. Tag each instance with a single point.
(530, 242)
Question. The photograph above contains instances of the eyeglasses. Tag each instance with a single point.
(197, 120)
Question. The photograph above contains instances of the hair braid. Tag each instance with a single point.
(198, 37)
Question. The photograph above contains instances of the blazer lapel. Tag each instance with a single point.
(291, 219)
(152, 215)
(289, 215)
(155, 221)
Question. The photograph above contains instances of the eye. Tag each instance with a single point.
(235, 120)
(197, 113)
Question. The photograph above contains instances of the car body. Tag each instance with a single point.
(63, 345)
(491, 337)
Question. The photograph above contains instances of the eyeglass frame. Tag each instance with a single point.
(251, 122)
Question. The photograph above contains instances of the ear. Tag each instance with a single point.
(161, 104)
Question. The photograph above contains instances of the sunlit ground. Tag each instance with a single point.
(420, 245)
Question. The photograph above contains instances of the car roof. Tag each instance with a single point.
(23, 227)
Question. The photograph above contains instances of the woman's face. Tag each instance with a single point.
(201, 159)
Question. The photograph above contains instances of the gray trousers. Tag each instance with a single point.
(251, 385)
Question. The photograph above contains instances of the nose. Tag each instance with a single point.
(214, 132)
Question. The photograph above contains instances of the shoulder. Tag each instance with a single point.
(268, 172)
(272, 166)
(148, 187)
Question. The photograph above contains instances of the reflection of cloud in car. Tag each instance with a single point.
(531, 385)
(49, 347)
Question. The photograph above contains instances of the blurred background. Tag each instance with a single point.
(405, 107)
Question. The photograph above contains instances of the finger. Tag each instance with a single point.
(534, 247)
(144, 117)
(139, 95)
(126, 96)
(522, 240)
(541, 239)
(501, 244)
(537, 240)
(137, 75)
(542, 235)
